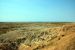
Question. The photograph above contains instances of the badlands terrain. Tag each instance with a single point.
(37, 36)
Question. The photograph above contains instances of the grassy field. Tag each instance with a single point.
(37, 36)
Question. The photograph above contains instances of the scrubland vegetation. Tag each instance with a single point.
(37, 36)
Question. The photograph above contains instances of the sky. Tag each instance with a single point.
(37, 10)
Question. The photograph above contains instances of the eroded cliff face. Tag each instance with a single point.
(39, 37)
(66, 40)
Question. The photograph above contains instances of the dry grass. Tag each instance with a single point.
(37, 36)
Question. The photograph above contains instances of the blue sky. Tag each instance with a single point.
(37, 10)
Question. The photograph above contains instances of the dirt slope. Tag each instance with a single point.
(39, 37)
(66, 42)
